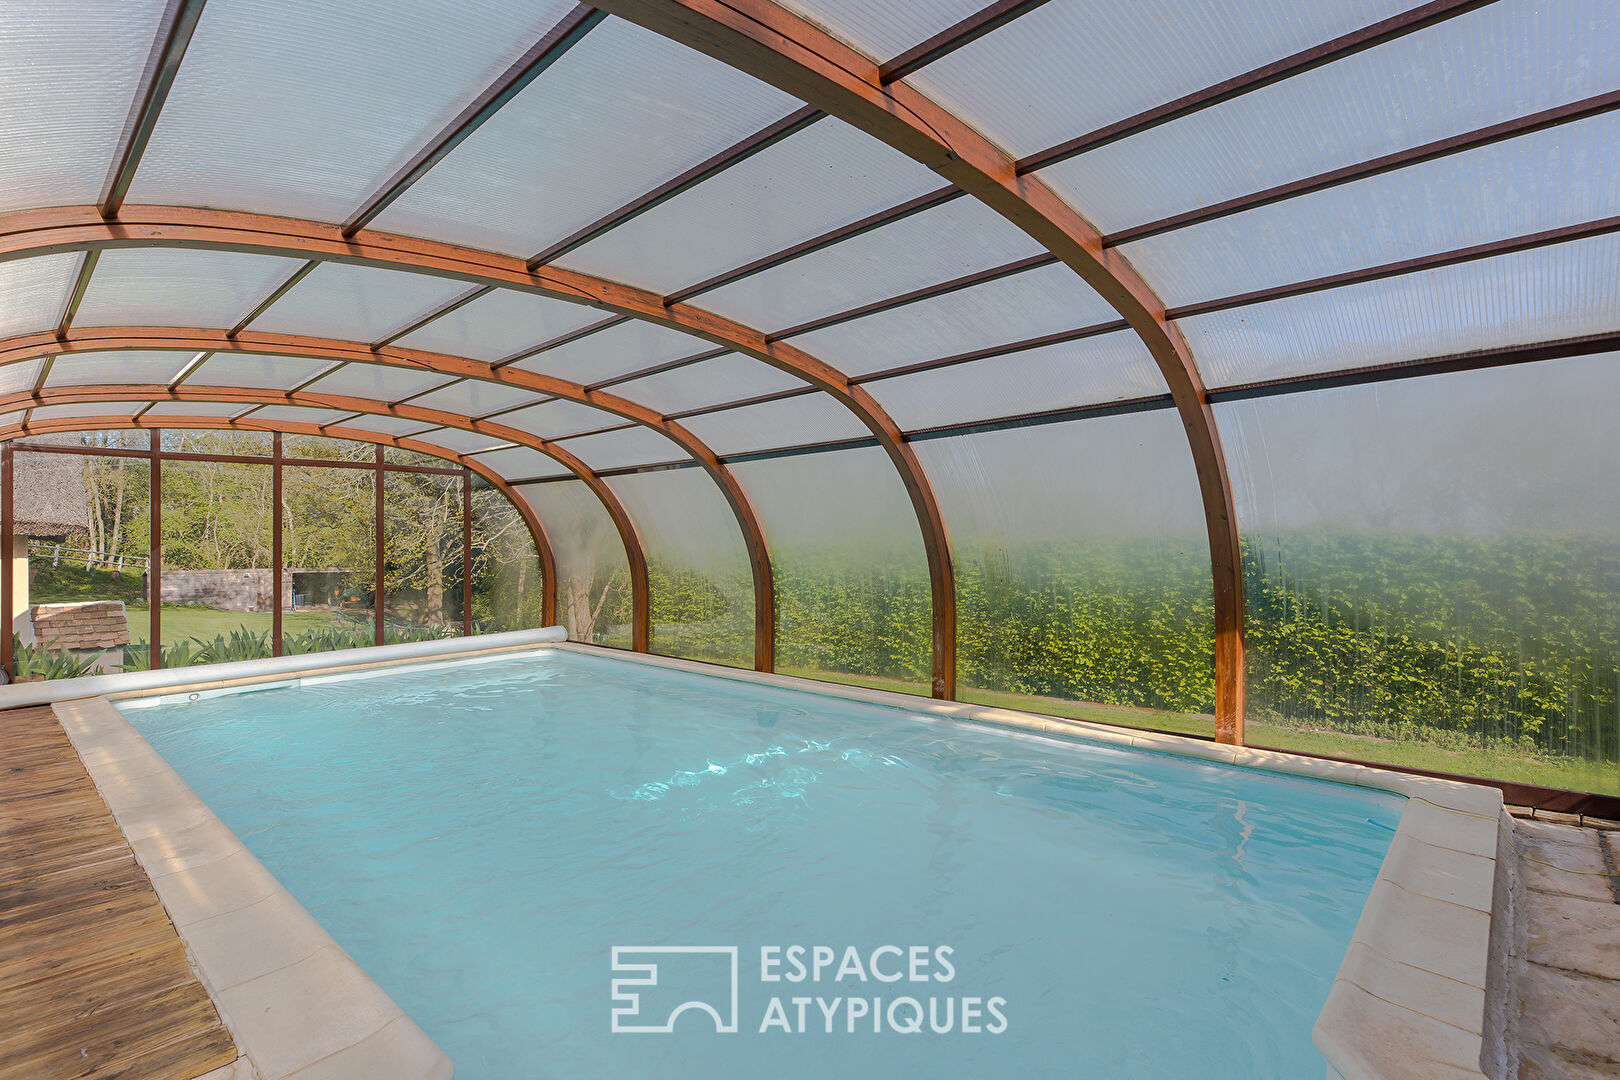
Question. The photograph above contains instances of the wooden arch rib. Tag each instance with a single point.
(537, 529)
(200, 339)
(25, 234)
(634, 552)
(772, 44)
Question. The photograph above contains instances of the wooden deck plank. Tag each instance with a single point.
(94, 981)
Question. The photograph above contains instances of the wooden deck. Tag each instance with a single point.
(93, 979)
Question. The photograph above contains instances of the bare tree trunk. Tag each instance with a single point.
(435, 581)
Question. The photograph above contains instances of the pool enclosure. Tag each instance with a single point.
(1239, 368)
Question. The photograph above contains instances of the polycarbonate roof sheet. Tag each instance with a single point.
(1069, 67)
(380, 382)
(554, 419)
(950, 241)
(19, 376)
(617, 350)
(36, 291)
(356, 303)
(884, 30)
(475, 397)
(90, 408)
(195, 408)
(611, 119)
(1036, 302)
(827, 175)
(1562, 176)
(263, 372)
(730, 377)
(10, 418)
(1546, 294)
(810, 418)
(1500, 62)
(500, 324)
(296, 414)
(178, 287)
(126, 366)
(385, 425)
(625, 447)
(304, 107)
(68, 73)
(521, 463)
(1109, 367)
(459, 440)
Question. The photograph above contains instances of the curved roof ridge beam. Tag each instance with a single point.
(784, 50)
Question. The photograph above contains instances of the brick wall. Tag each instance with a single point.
(94, 624)
(233, 590)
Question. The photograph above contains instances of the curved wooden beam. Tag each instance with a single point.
(782, 49)
(29, 233)
(537, 529)
(634, 552)
(201, 339)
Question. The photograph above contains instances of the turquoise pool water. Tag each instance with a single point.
(481, 836)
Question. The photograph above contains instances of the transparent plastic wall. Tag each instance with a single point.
(424, 560)
(702, 590)
(851, 575)
(328, 549)
(1432, 571)
(1082, 570)
(508, 587)
(593, 573)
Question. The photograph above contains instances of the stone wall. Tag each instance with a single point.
(232, 590)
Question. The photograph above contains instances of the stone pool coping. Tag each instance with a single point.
(1412, 998)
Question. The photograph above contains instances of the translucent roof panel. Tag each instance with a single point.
(593, 575)
(263, 372)
(1109, 367)
(942, 244)
(19, 377)
(129, 366)
(305, 108)
(194, 408)
(882, 31)
(731, 377)
(521, 463)
(385, 425)
(554, 419)
(702, 589)
(178, 287)
(558, 156)
(475, 397)
(36, 291)
(356, 303)
(499, 324)
(827, 175)
(68, 73)
(90, 408)
(296, 414)
(811, 418)
(1496, 63)
(380, 382)
(1548, 293)
(1019, 85)
(1562, 176)
(627, 446)
(458, 440)
(1037, 302)
(618, 350)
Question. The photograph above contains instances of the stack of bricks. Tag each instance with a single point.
(94, 624)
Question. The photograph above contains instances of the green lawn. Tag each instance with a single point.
(181, 621)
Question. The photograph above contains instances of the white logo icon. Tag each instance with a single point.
(691, 967)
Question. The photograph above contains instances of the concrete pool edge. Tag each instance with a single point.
(1412, 996)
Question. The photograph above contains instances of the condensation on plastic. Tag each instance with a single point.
(1549, 293)
(1457, 530)
(476, 397)
(950, 241)
(157, 367)
(1037, 302)
(702, 589)
(254, 370)
(852, 590)
(557, 157)
(1082, 568)
(356, 303)
(305, 108)
(618, 350)
(827, 175)
(499, 324)
(554, 419)
(380, 382)
(731, 377)
(884, 30)
(178, 287)
(628, 446)
(593, 572)
(1503, 61)
(36, 290)
(1109, 367)
(68, 73)
(811, 418)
